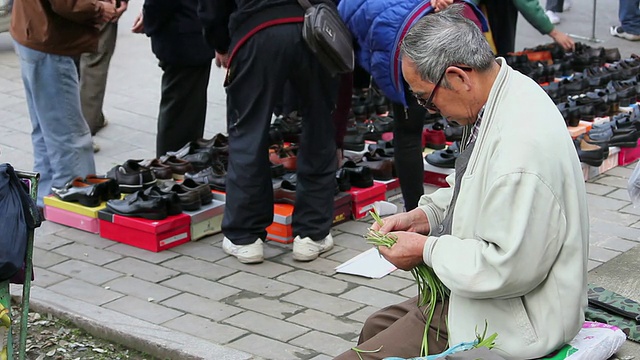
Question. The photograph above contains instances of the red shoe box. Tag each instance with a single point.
(341, 208)
(72, 219)
(392, 186)
(628, 155)
(207, 220)
(280, 230)
(436, 176)
(362, 199)
(152, 235)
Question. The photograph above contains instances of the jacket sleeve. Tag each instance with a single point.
(157, 13)
(214, 15)
(534, 13)
(435, 204)
(79, 11)
(519, 232)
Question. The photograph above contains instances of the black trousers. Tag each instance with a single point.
(256, 81)
(555, 5)
(503, 18)
(183, 106)
(407, 140)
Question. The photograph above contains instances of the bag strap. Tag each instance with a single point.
(616, 310)
(305, 4)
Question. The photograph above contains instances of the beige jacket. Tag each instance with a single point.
(517, 255)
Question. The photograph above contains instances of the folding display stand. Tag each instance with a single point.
(32, 179)
(593, 28)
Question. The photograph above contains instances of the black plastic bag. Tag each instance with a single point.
(18, 215)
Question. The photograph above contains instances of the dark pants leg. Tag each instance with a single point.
(249, 203)
(503, 18)
(398, 330)
(407, 140)
(554, 5)
(183, 106)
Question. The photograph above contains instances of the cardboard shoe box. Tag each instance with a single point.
(362, 199)
(152, 235)
(280, 230)
(628, 155)
(207, 220)
(437, 176)
(72, 214)
(341, 208)
(392, 187)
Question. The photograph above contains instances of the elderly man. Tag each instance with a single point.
(509, 238)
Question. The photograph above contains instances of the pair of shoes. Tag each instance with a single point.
(178, 166)
(617, 31)
(215, 176)
(359, 176)
(246, 254)
(306, 249)
(95, 146)
(553, 17)
(152, 204)
(444, 158)
(131, 176)
(89, 191)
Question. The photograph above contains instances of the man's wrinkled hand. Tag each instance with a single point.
(222, 60)
(108, 11)
(406, 253)
(414, 221)
(120, 10)
(138, 24)
(439, 5)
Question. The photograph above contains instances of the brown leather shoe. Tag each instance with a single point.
(380, 169)
(161, 171)
(284, 155)
(285, 193)
(178, 166)
(203, 189)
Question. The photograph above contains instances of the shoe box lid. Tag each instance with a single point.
(206, 212)
(436, 169)
(150, 226)
(390, 184)
(74, 207)
(363, 194)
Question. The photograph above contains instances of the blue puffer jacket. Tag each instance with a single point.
(378, 27)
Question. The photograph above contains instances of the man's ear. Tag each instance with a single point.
(458, 77)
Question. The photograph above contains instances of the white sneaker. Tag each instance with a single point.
(246, 254)
(566, 6)
(617, 31)
(95, 146)
(305, 249)
(553, 17)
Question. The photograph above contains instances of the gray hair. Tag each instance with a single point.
(446, 38)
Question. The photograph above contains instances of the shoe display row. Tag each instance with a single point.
(89, 191)
(445, 158)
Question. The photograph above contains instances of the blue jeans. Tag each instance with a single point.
(61, 138)
(630, 16)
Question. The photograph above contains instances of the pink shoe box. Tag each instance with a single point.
(152, 235)
(362, 199)
(207, 220)
(628, 155)
(72, 219)
(392, 187)
(436, 176)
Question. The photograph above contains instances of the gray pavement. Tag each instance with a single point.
(194, 302)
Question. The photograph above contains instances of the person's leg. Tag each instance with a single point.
(316, 164)
(407, 140)
(555, 5)
(183, 106)
(629, 14)
(343, 105)
(398, 331)
(503, 18)
(94, 68)
(61, 137)
(255, 84)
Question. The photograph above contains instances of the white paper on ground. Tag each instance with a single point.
(368, 264)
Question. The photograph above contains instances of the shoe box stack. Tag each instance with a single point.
(440, 141)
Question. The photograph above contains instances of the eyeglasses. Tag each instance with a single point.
(428, 103)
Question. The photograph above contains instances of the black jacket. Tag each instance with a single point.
(176, 32)
(225, 22)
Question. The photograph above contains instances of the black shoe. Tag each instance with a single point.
(215, 176)
(107, 187)
(284, 193)
(342, 179)
(78, 191)
(189, 199)
(203, 189)
(131, 176)
(171, 199)
(444, 158)
(589, 154)
(359, 176)
(141, 205)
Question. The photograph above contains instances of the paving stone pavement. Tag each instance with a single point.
(193, 301)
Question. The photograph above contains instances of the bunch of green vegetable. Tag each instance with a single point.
(430, 288)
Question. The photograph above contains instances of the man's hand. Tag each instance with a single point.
(120, 10)
(563, 40)
(138, 24)
(415, 221)
(108, 11)
(222, 60)
(406, 253)
(439, 5)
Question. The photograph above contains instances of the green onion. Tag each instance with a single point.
(430, 288)
(483, 341)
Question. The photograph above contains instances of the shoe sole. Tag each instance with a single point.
(245, 260)
(148, 216)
